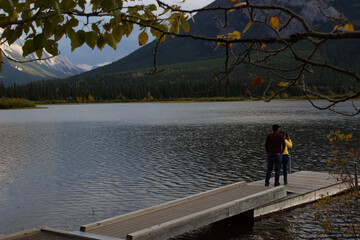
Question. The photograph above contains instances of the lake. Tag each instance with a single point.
(67, 165)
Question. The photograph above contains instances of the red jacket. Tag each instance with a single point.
(275, 143)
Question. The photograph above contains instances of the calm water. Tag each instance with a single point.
(65, 166)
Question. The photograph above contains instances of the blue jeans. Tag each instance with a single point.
(285, 162)
(273, 159)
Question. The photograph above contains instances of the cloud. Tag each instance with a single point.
(102, 64)
(192, 4)
(85, 67)
(88, 67)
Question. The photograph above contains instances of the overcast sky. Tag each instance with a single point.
(85, 56)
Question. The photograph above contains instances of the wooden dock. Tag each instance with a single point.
(176, 217)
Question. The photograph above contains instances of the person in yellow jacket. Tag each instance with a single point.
(286, 156)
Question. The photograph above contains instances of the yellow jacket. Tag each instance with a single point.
(288, 145)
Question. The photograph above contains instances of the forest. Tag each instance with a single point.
(179, 81)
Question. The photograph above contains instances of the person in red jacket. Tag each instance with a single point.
(274, 145)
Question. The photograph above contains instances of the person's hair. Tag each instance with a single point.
(287, 134)
(275, 127)
(282, 133)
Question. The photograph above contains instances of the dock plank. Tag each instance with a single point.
(305, 187)
(172, 216)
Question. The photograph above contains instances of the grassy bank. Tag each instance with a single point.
(11, 103)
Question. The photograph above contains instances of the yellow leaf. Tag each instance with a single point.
(263, 46)
(165, 11)
(218, 45)
(234, 35)
(14, 15)
(283, 84)
(349, 27)
(274, 22)
(258, 80)
(143, 38)
(248, 26)
(185, 26)
(240, 4)
(336, 27)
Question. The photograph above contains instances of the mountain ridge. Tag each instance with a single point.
(22, 71)
(180, 50)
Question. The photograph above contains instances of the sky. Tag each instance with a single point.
(86, 58)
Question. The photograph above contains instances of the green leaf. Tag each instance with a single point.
(51, 47)
(59, 32)
(14, 15)
(82, 4)
(73, 22)
(58, 10)
(39, 53)
(26, 14)
(91, 39)
(128, 27)
(117, 33)
(158, 34)
(101, 41)
(77, 39)
(107, 4)
(49, 29)
(14, 35)
(111, 41)
(185, 26)
(7, 6)
(47, 3)
(151, 7)
(68, 5)
(39, 42)
(95, 28)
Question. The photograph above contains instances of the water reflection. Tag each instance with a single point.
(70, 165)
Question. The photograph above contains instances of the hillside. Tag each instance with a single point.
(179, 50)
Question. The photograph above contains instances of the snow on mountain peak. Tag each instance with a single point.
(51, 67)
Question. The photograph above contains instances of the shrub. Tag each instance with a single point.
(7, 103)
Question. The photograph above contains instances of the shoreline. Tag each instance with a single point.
(177, 100)
(171, 100)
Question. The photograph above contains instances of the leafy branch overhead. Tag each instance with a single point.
(97, 23)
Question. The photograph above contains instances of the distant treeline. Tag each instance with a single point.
(191, 80)
(103, 90)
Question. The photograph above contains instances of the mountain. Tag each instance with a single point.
(21, 72)
(180, 50)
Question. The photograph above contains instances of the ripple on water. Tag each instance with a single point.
(65, 172)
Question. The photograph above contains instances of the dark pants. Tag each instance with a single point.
(285, 163)
(273, 159)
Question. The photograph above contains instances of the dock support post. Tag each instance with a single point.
(247, 216)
